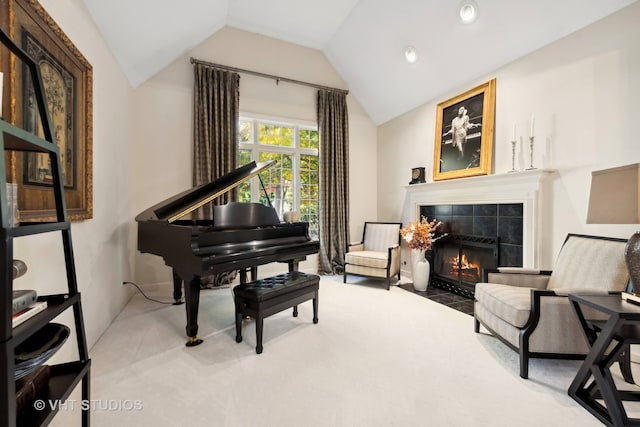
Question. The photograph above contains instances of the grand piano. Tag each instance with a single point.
(241, 236)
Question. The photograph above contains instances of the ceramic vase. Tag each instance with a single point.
(291, 217)
(420, 269)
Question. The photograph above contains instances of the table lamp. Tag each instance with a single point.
(615, 199)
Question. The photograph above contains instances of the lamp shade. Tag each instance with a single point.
(614, 197)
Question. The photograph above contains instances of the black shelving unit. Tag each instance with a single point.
(65, 376)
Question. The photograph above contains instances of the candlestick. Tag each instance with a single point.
(531, 130)
(513, 154)
(531, 147)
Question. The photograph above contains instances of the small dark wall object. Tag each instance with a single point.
(264, 297)
(417, 176)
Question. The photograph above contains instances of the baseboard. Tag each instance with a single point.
(157, 287)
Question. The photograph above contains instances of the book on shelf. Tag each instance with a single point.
(28, 313)
(23, 298)
(631, 297)
(32, 385)
(12, 203)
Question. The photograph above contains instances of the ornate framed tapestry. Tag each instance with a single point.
(67, 79)
(464, 134)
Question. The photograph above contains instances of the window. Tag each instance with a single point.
(292, 183)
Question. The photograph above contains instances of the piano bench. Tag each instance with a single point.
(264, 297)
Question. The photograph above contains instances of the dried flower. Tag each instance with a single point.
(420, 234)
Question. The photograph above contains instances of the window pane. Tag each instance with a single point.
(278, 181)
(308, 138)
(244, 189)
(244, 157)
(244, 131)
(309, 202)
(275, 135)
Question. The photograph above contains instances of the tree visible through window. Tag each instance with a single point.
(292, 183)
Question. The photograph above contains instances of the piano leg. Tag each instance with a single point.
(243, 274)
(177, 288)
(192, 299)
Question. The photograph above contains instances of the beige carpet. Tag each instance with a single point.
(376, 358)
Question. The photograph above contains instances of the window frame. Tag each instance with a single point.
(295, 150)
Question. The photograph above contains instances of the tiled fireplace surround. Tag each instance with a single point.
(506, 205)
(503, 220)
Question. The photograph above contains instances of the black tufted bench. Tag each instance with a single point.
(264, 297)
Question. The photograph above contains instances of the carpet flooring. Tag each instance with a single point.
(376, 358)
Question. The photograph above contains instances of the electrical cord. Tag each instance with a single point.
(151, 299)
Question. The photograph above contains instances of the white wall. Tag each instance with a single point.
(101, 245)
(583, 91)
(163, 117)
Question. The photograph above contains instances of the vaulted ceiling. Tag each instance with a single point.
(364, 40)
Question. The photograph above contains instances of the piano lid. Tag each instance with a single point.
(178, 206)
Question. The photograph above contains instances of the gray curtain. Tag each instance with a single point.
(333, 126)
(216, 103)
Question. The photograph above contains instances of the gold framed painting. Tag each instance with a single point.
(464, 134)
(67, 80)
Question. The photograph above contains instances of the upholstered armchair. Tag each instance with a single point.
(378, 254)
(530, 310)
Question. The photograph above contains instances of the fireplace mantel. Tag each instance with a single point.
(524, 187)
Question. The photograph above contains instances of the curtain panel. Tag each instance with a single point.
(333, 126)
(216, 111)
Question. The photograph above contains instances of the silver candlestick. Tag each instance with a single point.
(513, 156)
(531, 145)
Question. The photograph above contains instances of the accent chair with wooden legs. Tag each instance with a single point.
(378, 254)
(530, 310)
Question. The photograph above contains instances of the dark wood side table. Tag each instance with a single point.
(620, 329)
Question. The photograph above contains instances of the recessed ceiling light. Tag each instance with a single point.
(410, 54)
(468, 11)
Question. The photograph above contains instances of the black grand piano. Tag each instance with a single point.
(241, 236)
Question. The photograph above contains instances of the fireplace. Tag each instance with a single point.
(507, 205)
(459, 260)
(478, 237)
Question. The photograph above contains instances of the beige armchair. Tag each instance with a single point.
(529, 310)
(378, 254)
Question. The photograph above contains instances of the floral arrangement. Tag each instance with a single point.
(420, 234)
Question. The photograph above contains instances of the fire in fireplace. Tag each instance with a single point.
(460, 266)
(458, 261)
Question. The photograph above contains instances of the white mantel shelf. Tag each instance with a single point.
(513, 187)
(486, 187)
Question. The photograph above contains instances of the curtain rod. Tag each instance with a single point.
(267, 76)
